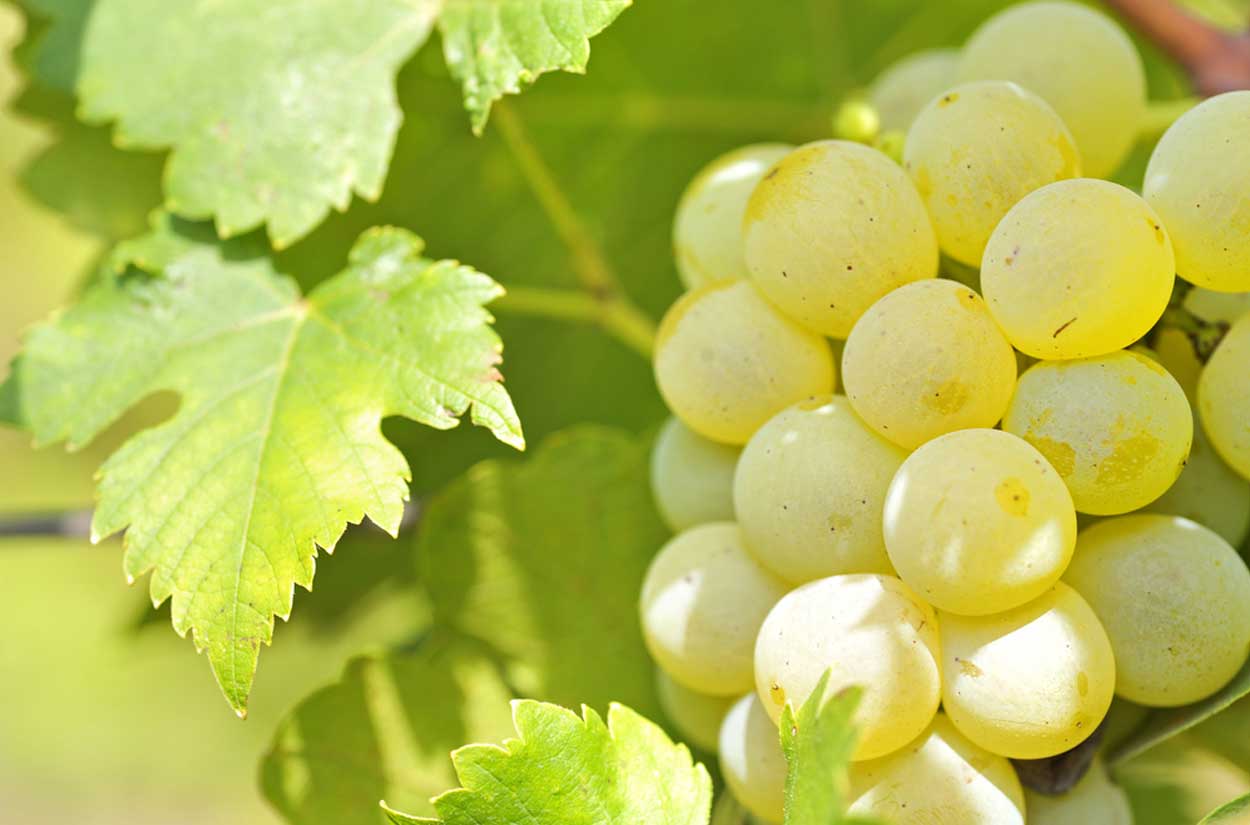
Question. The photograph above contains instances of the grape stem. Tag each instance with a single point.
(619, 318)
(1217, 61)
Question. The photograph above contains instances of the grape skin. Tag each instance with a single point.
(691, 477)
(751, 759)
(902, 90)
(1224, 397)
(1174, 598)
(1095, 800)
(696, 716)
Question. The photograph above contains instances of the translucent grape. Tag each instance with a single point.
(868, 630)
(1175, 600)
(1077, 60)
(1116, 427)
(692, 478)
(928, 359)
(940, 777)
(1095, 800)
(1198, 181)
(833, 227)
(1078, 268)
(703, 601)
(707, 228)
(902, 90)
(1224, 397)
(1030, 682)
(726, 361)
(1210, 493)
(697, 716)
(978, 522)
(809, 492)
(751, 759)
(978, 149)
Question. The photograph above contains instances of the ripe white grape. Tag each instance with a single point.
(726, 361)
(1095, 800)
(1215, 307)
(868, 630)
(902, 90)
(1116, 427)
(1077, 60)
(978, 522)
(692, 478)
(1198, 181)
(938, 778)
(703, 601)
(1078, 268)
(809, 492)
(833, 227)
(975, 151)
(1224, 397)
(928, 359)
(1174, 598)
(707, 228)
(1210, 493)
(751, 759)
(697, 716)
(1030, 682)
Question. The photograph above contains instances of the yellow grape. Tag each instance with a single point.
(1209, 492)
(696, 716)
(975, 151)
(1174, 598)
(902, 90)
(1116, 427)
(833, 227)
(751, 759)
(928, 359)
(1078, 268)
(1095, 800)
(1224, 397)
(691, 477)
(1030, 682)
(726, 361)
(977, 522)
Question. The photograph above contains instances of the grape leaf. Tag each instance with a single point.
(54, 31)
(276, 446)
(1229, 813)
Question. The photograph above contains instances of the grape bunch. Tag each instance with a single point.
(914, 531)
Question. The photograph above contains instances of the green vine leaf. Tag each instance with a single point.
(1228, 813)
(276, 446)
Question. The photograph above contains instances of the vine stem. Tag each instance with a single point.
(1216, 60)
(619, 318)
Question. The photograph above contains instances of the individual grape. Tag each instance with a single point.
(703, 601)
(697, 716)
(975, 151)
(809, 490)
(1224, 397)
(1174, 598)
(1210, 493)
(833, 227)
(692, 478)
(1198, 181)
(707, 228)
(1116, 427)
(1030, 682)
(978, 522)
(928, 359)
(751, 759)
(1078, 268)
(856, 120)
(940, 777)
(1217, 307)
(902, 90)
(867, 630)
(726, 361)
(1095, 800)
(1077, 60)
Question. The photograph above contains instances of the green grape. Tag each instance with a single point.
(1078, 268)
(1030, 682)
(1077, 60)
(692, 478)
(1210, 493)
(928, 359)
(939, 778)
(978, 522)
(867, 630)
(1174, 598)
(726, 361)
(1095, 800)
(1217, 307)
(707, 228)
(1224, 397)
(703, 601)
(1198, 181)
(902, 90)
(975, 151)
(1116, 427)
(856, 120)
(696, 716)
(751, 759)
(833, 227)
(809, 491)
